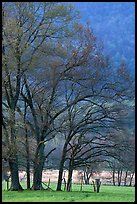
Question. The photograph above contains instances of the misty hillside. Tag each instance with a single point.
(114, 24)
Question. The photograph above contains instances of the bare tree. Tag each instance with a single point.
(75, 70)
(124, 165)
(26, 27)
(95, 113)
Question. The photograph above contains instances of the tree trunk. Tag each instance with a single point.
(98, 183)
(87, 181)
(15, 185)
(60, 177)
(70, 172)
(119, 177)
(69, 182)
(94, 185)
(86, 177)
(27, 148)
(13, 160)
(38, 168)
(28, 177)
(125, 180)
(131, 178)
(61, 167)
(65, 184)
(113, 178)
(28, 163)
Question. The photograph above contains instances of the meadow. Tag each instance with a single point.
(106, 194)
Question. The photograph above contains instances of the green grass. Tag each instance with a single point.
(107, 194)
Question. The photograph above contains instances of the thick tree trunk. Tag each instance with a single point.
(61, 167)
(60, 178)
(38, 168)
(13, 160)
(15, 185)
(69, 182)
(70, 172)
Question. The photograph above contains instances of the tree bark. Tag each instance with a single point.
(125, 180)
(38, 168)
(131, 178)
(15, 185)
(86, 177)
(70, 172)
(27, 162)
(28, 169)
(119, 177)
(28, 175)
(69, 183)
(39, 156)
(61, 167)
(94, 185)
(13, 160)
(98, 183)
(27, 149)
(113, 178)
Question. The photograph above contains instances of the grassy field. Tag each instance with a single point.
(107, 194)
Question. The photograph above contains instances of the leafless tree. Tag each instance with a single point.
(26, 26)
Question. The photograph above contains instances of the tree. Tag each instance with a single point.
(91, 169)
(125, 164)
(73, 64)
(88, 126)
(43, 97)
(26, 26)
